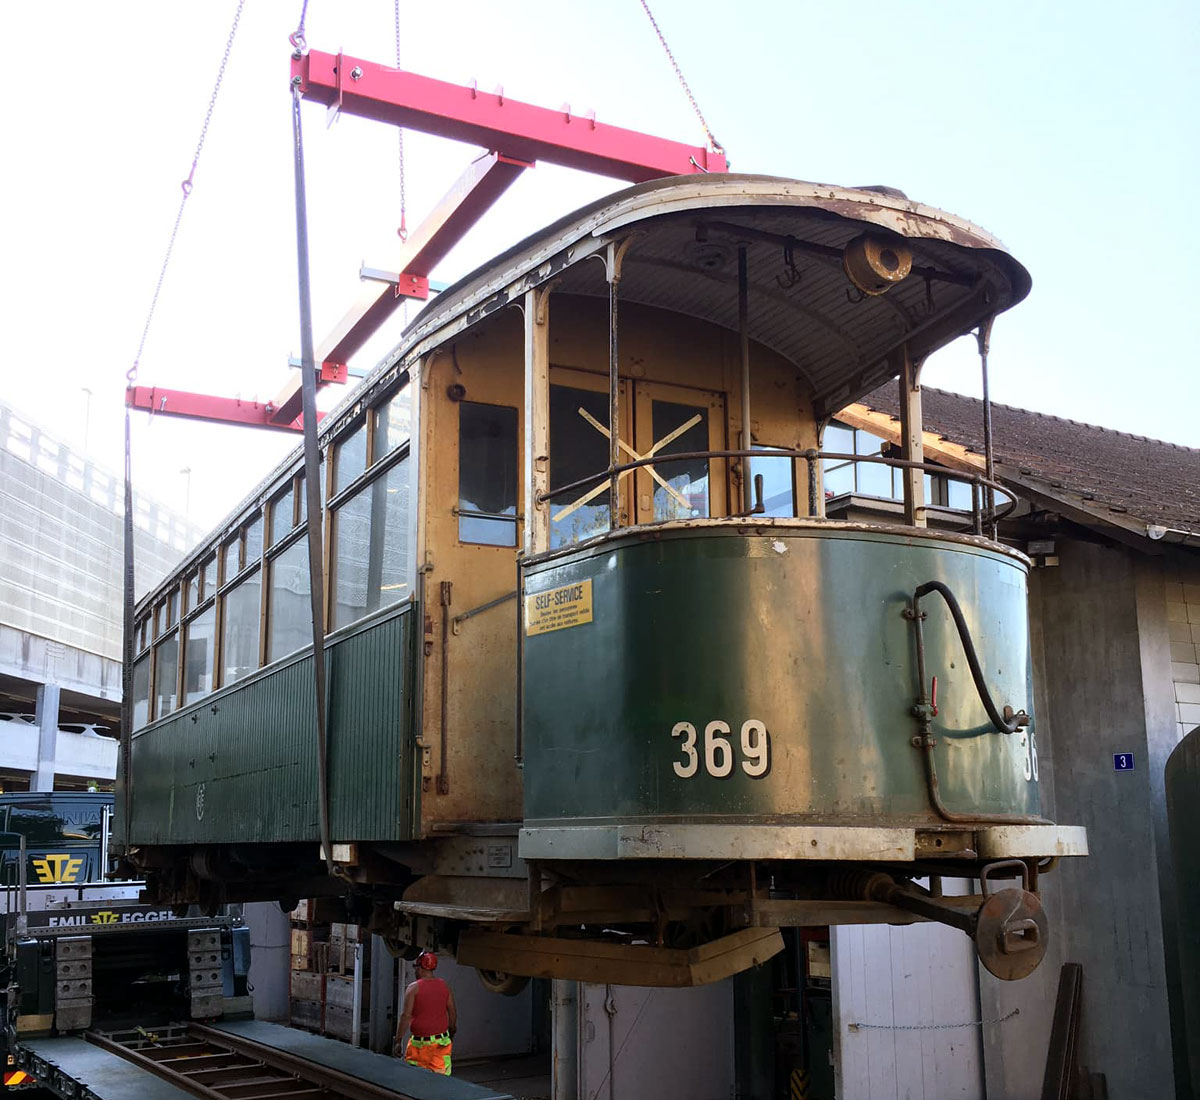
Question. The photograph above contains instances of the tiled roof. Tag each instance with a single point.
(1114, 472)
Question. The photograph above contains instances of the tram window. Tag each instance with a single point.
(199, 655)
(873, 478)
(283, 515)
(839, 479)
(289, 615)
(958, 494)
(141, 691)
(393, 423)
(210, 578)
(487, 474)
(688, 478)
(166, 674)
(233, 559)
(839, 440)
(172, 609)
(577, 450)
(240, 632)
(254, 541)
(351, 458)
(779, 491)
(370, 547)
(301, 492)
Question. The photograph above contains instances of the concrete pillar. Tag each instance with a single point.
(381, 1012)
(564, 1020)
(270, 959)
(47, 722)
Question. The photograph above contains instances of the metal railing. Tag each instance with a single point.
(984, 513)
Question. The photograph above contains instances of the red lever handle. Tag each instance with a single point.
(933, 694)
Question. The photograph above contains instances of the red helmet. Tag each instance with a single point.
(427, 960)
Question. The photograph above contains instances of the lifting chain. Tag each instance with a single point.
(712, 141)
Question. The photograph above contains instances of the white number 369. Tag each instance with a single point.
(719, 749)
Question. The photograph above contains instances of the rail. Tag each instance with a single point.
(981, 514)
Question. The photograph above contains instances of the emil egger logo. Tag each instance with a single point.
(58, 867)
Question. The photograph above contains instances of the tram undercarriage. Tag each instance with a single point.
(656, 921)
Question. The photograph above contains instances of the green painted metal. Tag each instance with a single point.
(800, 628)
(1183, 817)
(239, 767)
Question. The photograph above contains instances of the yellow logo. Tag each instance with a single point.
(105, 916)
(58, 868)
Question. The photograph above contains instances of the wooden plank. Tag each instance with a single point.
(618, 964)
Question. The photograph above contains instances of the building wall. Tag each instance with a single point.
(1096, 639)
(61, 541)
(664, 1044)
(1182, 593)
(906, 1010)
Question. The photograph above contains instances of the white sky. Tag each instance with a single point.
(1068, 129)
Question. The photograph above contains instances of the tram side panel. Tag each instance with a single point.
(720, 676)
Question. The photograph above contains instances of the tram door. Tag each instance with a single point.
(579, 447)
(671, 420)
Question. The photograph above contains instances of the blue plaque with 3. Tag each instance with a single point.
(1123, 761)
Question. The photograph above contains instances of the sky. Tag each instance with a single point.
(1067, 129)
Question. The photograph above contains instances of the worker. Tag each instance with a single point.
(430, 1013)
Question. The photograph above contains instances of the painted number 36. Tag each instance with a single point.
(720, 750)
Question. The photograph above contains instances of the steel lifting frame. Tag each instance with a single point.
(517, 135)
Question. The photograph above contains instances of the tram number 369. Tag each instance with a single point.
(720, 750)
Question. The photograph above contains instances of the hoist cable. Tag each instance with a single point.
(403, 230)
(127, 653)
(716, 145)
(186, 187)
(312, 484)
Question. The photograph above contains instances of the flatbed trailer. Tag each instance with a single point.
(113, 999)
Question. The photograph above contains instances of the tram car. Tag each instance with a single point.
(609, 695)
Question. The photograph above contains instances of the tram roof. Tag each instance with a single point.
(683, 258)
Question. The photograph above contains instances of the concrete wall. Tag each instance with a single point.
(1096, 638)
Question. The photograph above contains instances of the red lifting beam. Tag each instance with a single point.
(463, 205)
(518, 135)
(201, 406)
(515, 129)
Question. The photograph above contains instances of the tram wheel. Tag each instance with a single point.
(497, 981)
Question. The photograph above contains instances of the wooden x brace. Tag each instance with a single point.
(596, 490)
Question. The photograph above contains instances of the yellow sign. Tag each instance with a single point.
(105, 916)
(558, 608)
(58, 868)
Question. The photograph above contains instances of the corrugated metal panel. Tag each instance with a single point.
(371, 721)
(240, 767)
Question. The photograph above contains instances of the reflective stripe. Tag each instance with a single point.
(432, 1040)
(430, 1054)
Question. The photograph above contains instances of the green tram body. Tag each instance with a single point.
(544, 733)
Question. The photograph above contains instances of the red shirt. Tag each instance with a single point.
(429, 1008)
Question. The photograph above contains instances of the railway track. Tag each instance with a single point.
(215, 1065)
